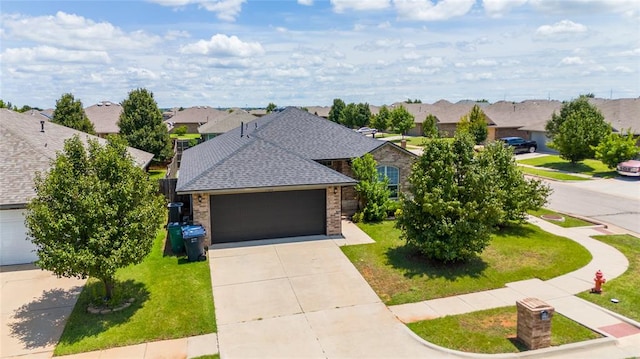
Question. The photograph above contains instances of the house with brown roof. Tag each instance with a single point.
(226, 123)
(28, 145)
(104, 116)
(194, 117)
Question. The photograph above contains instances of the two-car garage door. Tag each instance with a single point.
(263, 215)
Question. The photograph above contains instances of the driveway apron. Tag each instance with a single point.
(302, 299)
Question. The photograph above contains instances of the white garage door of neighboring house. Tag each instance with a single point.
(542, 139)
(15, 248)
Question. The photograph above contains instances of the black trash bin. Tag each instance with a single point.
(193, 237)
(175, 211)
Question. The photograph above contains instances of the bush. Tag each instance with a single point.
(392, 207)
(357, 217)
(180, 130)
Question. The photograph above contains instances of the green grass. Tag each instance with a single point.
(552, 174)
(186, 136)
(157, 174)
(588, 167)
(399, 275)
(412, 140)
(173, 300)
(493, 331)
(569, 222)
(625, 288)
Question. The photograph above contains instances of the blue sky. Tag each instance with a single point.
(225, 53)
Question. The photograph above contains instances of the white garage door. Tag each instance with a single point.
(15, 248)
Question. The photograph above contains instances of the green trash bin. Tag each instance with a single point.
(175, 237)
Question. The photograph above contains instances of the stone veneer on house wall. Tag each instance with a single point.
(392, 156)
(334, 211)
(201, 214)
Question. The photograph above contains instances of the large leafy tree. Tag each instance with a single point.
(382, 120)
(516, 193)
(271, 107)
(616, 148)
(95, 211)
(141, 124)
(401, 120)
(475, 123)
(577, 130)
(355, 115)
(69, 113)
(451, 211)
(336, 110)
(373, 192)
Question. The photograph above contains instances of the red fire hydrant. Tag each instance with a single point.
(599, 280)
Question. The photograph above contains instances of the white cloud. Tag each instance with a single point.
(339, 6)
(499, 8)
(74, 32)
(305, 2)
(484, 62)
(411, 56)
(626, 7)
(227, 10)
(564, 27)
(223, 45)
(176, 34)
(623, 69)
(52, 54)
(384, 25)
(477, 76)
(426, 10)
(572, 60)
(434, 62)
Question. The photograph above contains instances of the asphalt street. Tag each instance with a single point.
(615, 201)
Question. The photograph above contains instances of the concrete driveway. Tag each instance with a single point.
(302, 299)
(34, 308)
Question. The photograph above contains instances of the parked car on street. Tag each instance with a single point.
(519, 144)
(629, 168)
(367, 131)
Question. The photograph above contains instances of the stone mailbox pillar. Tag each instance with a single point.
(534, 322)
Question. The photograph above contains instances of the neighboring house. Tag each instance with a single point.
(104, 116)
(622, 114)
(221, 125)
(510, 119)
(285, 174)
(194, 117)
(28, 145)
(447, 115)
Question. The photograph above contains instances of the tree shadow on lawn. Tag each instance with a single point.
(83, 324)
(413, 263)
(39, 323)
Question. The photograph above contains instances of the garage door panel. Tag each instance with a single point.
(266, 215)
(15, 247)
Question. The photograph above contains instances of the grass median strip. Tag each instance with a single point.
(561, 176)
(568, 222)
(400, 275)
(624, 288)
(587, 167)
(493, 331)
(173, 299)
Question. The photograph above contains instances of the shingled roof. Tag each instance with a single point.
(276, 150)
(25, 149)
(104, 116)
(226, 123)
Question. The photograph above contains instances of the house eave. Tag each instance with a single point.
(265, 189)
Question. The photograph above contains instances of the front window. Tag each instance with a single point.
(393, 174)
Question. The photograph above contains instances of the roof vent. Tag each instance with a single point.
(41, 125)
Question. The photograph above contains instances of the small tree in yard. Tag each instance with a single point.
(577, 130)
(335, 113)
(451, 210)
(616, 148)
(373, 193)
(516, 193)
(429, 127)
(382, 120)
(69, 113)
(95, 211)
(401, 120)
(475, 123)
(141, 124)
(271, 107)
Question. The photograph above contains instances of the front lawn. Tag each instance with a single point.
(412, 140)
(568, 222)
(625, 288)
(157, 174)
(560, 176)
(493, 331)
(399, 275)
(587, 167)
(173, 299)
(186, 136)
